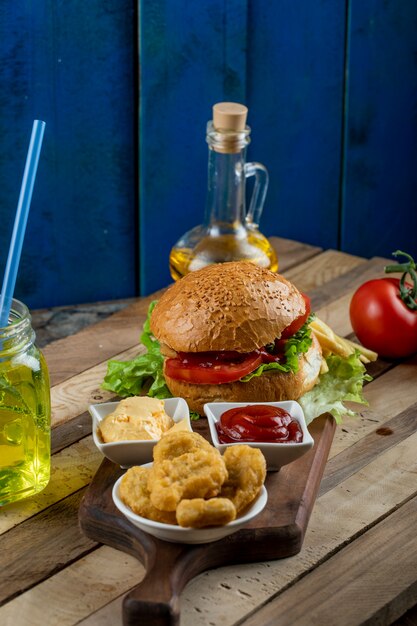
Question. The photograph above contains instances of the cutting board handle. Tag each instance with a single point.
(155, 601)
(276, 533)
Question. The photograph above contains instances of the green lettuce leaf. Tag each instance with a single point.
(342, 383)
(143, 374)
(296, 345)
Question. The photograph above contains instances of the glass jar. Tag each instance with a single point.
(25, 410)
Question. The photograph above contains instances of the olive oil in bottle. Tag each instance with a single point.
(230, 232)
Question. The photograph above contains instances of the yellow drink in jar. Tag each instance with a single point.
(24, 413)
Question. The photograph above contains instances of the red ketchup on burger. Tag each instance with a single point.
(260, 423)
(226, 333)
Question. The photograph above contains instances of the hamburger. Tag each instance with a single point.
(235, 332)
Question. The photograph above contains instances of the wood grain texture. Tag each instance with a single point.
(191, 56)
(228, 595)
(291, 253)
(388, 396)
(408, 619)
(76, 591)
(59, 322)
(277, 532)
(348, 282)
(71, 469)
(370, 476)
(359, 454)
(380, 153)
(321, 269)
(356, 579)
(299, 144)
(72, 65)
(96, 343)
(32, 548)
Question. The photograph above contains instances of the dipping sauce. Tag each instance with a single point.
(261, 423)
(136, 418)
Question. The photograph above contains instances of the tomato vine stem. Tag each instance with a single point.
(407, 293)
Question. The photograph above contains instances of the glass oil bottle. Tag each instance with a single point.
(229, 232)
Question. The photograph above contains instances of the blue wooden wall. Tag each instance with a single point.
(72, 64)
(331, 89)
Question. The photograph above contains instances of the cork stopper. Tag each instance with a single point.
(229, 116)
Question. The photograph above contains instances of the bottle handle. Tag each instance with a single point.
(256, 205)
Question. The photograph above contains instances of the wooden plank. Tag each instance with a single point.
(96, 343)
(364, 450)
(348, 282)
(71, 431)
(226, 595)
(121, 331)
(380, 151)
(71, 398)
(408, 619)
(41, 546)
(72, 469)
(299, 144)
(321, 269)
(260, 582)
(75, 591)
(110, 615)
(402, 394)
(74, 67)
(276, 533)
(356, 579)
(59, 322)
(355, 442)
(185, 48)
(359, 431)
(291, 253)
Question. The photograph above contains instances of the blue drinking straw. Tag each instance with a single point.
(19, 228)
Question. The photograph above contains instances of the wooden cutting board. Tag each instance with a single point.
(277, 532)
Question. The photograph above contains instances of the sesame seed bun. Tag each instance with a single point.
(228, 306)
(239, 307)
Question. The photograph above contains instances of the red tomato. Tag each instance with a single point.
(212, 368)
(300, 321)
(381, 320)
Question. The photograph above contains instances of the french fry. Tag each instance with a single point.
(368, 354)
(333, 344)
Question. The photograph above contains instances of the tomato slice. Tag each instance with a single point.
(299, 321)
(212, 368)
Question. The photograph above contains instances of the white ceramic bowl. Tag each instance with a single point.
(276, 454)
(178, 534)
(132, 452)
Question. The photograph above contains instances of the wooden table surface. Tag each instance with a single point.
(358, 564)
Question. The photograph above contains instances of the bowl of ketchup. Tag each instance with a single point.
(278, 429)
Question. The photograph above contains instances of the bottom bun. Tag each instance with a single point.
(271, 386)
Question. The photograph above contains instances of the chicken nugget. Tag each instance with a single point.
(199, 513)
(134, 493)
(196, 474)
(246, 467)
(176, 443)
